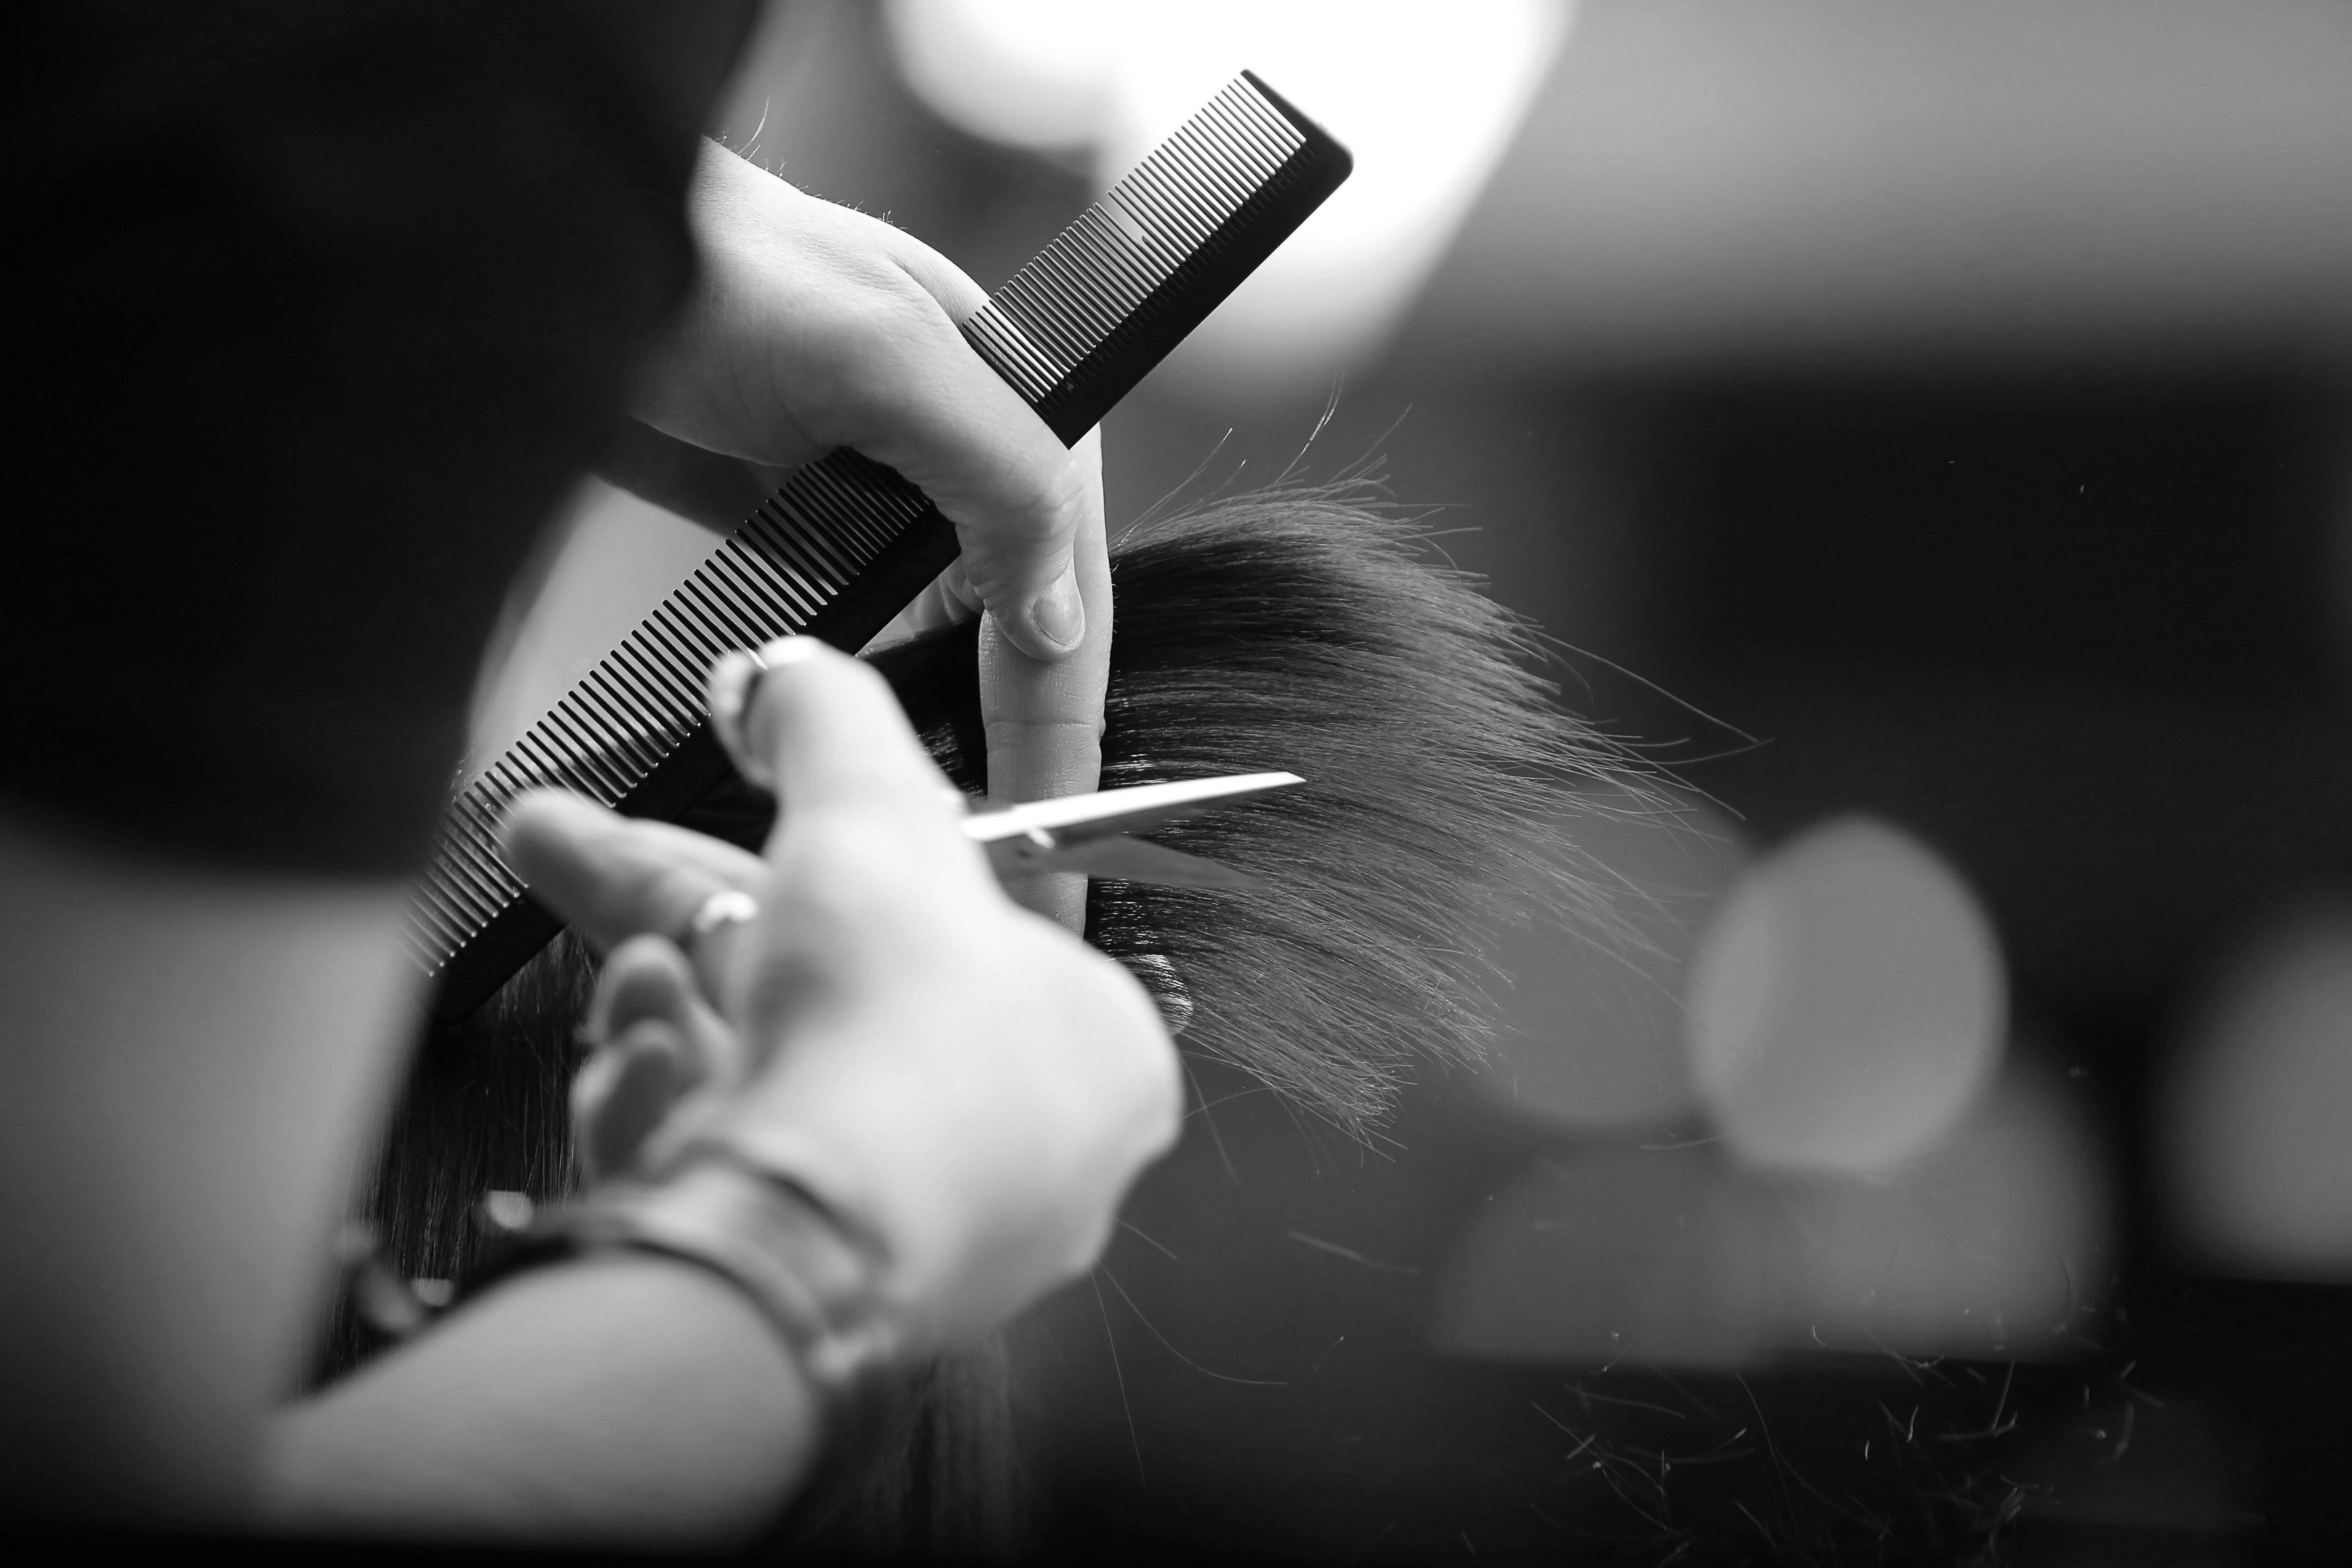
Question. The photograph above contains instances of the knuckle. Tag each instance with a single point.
(1046, 498)
(869, 867)
(1065, 492)
(862, 354)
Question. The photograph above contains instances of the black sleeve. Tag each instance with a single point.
(318, 311)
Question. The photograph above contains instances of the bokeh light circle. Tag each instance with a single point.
(2257, 1165)
(1590, 1025)
(1997, 1245)
(1428, 98)
(1847, 1003)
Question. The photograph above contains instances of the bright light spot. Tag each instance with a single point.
(1426, 97)
(1995, 1244)
(1590, 1032)
(1847, 1003)
(2258, 1160)
(1615, 1252)
(1041, 74)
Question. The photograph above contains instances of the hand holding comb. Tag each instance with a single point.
(846, 542)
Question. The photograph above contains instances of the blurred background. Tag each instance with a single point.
(1925, 425)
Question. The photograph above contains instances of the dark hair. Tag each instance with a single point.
(1301, 628)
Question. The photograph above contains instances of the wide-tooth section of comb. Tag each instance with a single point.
(847, 543)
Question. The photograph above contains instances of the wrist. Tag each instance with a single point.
(814, 1275)
(813, 1279)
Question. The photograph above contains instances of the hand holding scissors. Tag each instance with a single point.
(974, 1083)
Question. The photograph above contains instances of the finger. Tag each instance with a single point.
(1015, 494)
(1044, 720)
(827, 735)
(622, 1094)
(612, 878)
(649, 981)
(928, 405)
(841, 331)
(657, 1042)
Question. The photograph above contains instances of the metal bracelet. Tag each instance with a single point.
(816, 1282)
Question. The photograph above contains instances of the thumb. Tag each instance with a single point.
(825, 733)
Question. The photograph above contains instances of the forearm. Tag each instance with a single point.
(622, 1397)
(191, 1056)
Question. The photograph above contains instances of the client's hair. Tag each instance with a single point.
(1299, 628)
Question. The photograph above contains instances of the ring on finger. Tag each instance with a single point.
(700, 939)
(727, 907)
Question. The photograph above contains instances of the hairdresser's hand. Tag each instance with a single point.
(812, 327)
(1044, 718)
(978, 1085)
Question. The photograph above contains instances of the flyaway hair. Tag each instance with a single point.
(1301, 628)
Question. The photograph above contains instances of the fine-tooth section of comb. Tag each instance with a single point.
(632, 734)
(846, 542)
(1190, 222)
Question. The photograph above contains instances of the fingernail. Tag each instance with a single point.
(1058, 613)
(789, 650)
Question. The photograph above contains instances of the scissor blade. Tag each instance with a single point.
(1074, 819)
(1128, 859)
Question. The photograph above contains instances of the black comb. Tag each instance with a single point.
(846, 544)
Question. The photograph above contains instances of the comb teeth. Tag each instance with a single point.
(1068, 302)
(772, 576)
(847, 543)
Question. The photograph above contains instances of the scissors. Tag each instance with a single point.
(1088, 832)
